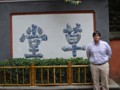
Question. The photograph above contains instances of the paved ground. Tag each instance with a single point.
(113, 86)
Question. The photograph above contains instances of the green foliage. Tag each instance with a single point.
(43, 62)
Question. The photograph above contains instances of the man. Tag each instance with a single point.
(99, 52)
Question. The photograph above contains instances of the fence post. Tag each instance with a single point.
(69, 73)
(32, 74)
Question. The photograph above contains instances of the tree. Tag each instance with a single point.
(114, 15)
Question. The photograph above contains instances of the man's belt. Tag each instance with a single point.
(100, 63)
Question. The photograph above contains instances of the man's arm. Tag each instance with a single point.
(88, 52)
(108, 50)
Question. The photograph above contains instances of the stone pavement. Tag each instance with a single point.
(113, 86)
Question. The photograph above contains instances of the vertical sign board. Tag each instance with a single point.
(51, 35)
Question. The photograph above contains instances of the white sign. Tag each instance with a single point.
(53, 25)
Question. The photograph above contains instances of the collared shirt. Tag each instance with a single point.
(98, 53)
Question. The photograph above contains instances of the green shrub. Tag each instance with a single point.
(43, 62)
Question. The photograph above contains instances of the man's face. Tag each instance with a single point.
(96, 38)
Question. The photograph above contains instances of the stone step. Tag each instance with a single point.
(53, 88)
(113, 86)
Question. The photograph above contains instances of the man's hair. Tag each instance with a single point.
(96, 32)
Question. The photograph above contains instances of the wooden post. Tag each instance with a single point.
(69, 75)
(32, 75)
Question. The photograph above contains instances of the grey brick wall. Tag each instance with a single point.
(100, 7)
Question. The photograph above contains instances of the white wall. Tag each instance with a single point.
(52, 25)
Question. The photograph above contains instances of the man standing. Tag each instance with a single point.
(99, 52)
